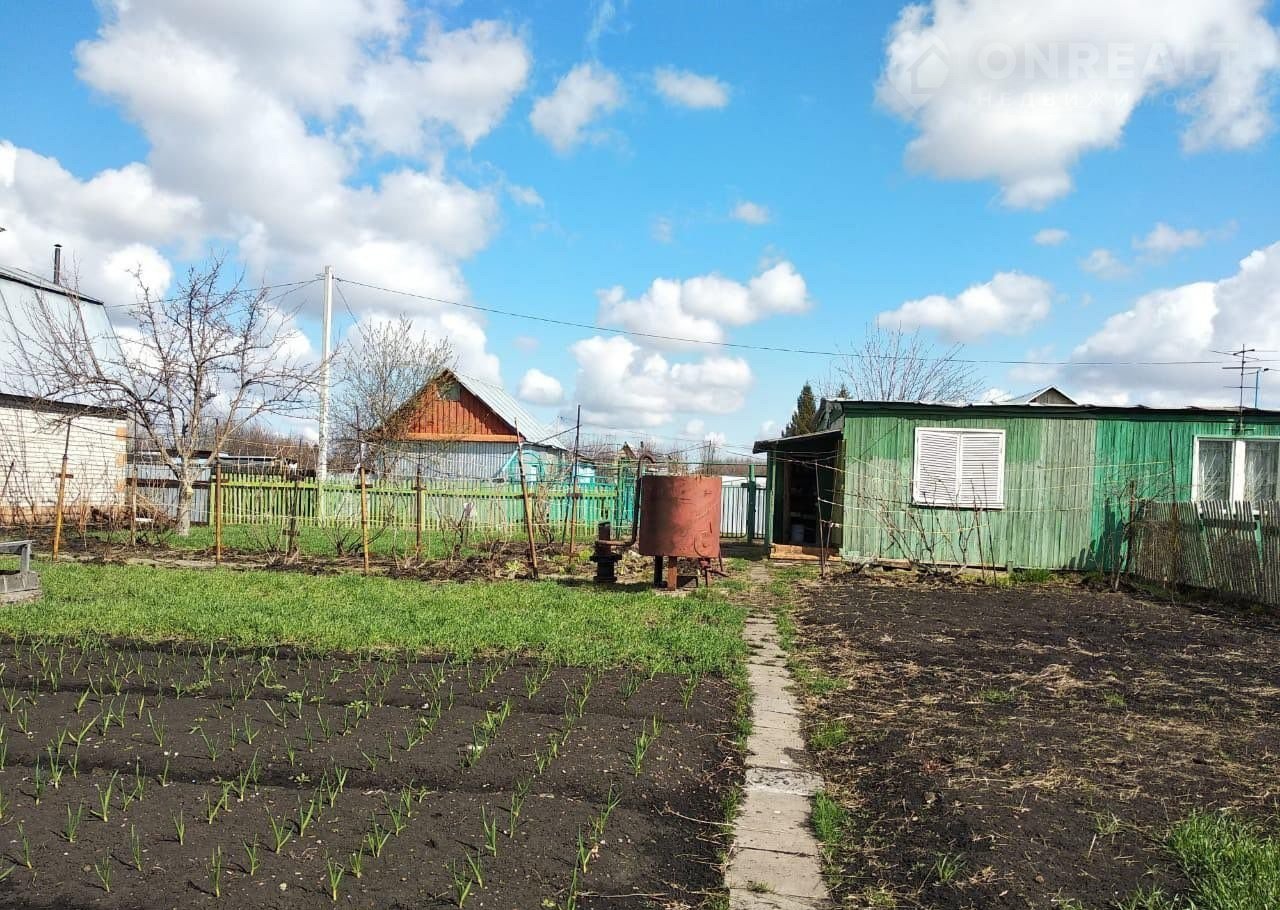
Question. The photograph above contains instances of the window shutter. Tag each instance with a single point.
(937, 467)
(982, 470)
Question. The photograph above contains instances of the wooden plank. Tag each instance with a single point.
(1269, 541)
(801, 553)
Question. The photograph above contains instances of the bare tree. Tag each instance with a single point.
(894, 365)
(188, 372)
(386, 369)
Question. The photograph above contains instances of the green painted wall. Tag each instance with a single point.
(1069, 478)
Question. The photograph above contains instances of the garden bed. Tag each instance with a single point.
(164, 775)
(1037, 746)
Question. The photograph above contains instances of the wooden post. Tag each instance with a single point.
(417, 513)
(217, 511)
(133, 506)
(62, 493)
(293, 513)
(822, 546)
(364, 517)
(524, 495)
(573, 484)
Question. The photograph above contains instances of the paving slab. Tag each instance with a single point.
(766, 811)
(776, 720)
(752, 900)
(776, 873)
(774, 747)
(778, 780)
(778, 703)
(775, 862)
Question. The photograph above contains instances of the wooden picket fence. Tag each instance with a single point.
(1230, 548)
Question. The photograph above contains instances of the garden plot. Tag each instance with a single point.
(1042, 746)
(157, 776)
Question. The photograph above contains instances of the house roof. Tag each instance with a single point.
(1191, 412)
(500, 401)
(1050, 396)
(19, 292)
(804, 440)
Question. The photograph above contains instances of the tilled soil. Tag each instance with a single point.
(272, 730)
(1029, 746)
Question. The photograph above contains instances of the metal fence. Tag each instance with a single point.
(1229, 548)
(742, 504)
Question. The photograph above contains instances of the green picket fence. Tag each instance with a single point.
(497, 508)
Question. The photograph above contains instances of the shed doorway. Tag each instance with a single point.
(806, 512)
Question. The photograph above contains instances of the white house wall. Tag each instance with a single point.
(31, 443)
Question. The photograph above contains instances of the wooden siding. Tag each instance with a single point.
(1048, 480)
(467, 419)
(1134, 458)
(31, 443)
(1069, 483)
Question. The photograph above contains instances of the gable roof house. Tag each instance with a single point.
(465, 429)
(1022, 484)
(34, 430)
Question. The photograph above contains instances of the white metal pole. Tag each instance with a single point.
(326, 331)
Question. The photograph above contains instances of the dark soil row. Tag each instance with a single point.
(1029, 746)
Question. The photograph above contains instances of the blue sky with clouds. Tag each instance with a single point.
(1077, 181)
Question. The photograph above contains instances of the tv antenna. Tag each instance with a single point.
(1249, 369)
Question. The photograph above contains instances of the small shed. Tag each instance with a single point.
(34, 429)
(462, 428)
(1016, 485)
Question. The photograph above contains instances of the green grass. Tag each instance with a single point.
(579, 625)
(1231, 865)
(830, 819)
(315, 541)
(997, 696)
(829, 736)
(1031, 576)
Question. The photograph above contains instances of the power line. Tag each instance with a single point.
(657, 336)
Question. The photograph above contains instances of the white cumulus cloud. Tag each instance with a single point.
(1011, 303)
(583, 95)
(536, 387)
(1051, 237)
(622, 385)
(1102, 263)
(700, 308)
(261, 122)
(1165, 240)
(1019, 92)
(687, 89)
(1188, 322)
(750, 213)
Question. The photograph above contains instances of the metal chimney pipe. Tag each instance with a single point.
(57, 263)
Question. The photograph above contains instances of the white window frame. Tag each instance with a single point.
(1238, 460)
(960, 502)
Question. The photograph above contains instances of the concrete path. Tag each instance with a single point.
(775, 862)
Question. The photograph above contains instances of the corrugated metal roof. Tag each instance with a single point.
(18, 294)
(1033, 398)
(510, 410)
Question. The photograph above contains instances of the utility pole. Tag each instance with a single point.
(326, 331)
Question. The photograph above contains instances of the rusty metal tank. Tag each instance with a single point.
(680, 516)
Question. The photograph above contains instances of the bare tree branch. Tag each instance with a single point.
(893, 365)
(188, 371)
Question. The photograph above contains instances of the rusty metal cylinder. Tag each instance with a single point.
(679, 516)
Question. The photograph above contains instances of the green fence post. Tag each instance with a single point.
(751, 504)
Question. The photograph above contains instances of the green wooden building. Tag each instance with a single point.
(1017, 485)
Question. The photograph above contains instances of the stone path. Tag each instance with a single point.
(775, 862)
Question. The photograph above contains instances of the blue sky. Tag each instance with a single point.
(227, 126)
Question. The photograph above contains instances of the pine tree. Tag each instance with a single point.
(805, 418)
